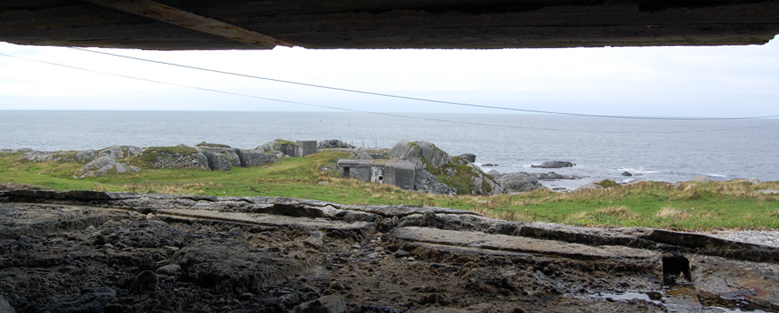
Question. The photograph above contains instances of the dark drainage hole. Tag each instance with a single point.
(675, 267)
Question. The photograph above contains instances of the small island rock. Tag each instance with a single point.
(554, 164)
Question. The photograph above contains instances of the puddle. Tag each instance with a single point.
(684, 298)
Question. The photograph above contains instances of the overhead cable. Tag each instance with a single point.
(360, 111)
(472, 105)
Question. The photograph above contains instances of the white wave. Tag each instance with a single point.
(636, 170)
(716, 175)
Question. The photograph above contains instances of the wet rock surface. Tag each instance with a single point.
(83, 251)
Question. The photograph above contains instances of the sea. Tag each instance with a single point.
(600, 148)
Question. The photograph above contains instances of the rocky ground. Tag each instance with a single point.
(83, 251)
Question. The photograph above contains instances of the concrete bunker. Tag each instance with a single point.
(400, 174)
(305, 147)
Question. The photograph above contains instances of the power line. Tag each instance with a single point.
(473, 105)
(361, 111)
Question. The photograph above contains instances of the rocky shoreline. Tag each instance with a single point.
(436, 171)
(88, 251)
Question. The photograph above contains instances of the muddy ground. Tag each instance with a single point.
(108, 252)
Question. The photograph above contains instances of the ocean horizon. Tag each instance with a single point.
(601, 148)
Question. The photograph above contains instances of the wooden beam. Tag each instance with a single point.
(171, 15)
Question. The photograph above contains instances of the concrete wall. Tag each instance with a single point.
(361, 173)
(305, 147)
(400, 174)
(377, 174)
(360, 169)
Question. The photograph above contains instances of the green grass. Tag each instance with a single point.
(211, 145)
(685, 206)
(285, 142)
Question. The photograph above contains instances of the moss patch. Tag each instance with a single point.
(285, 142)
(606, 183)
(462, 180)
(212, 145)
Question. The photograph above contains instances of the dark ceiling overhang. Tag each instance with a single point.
(371, 24)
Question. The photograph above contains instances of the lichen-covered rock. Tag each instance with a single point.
(520, 182)
(426, 182)
(232, 156)
(456, 173)
(85, 155)
(99, 163)
(174, 157)
(361, 154)
(470, 157)
(420, 153)
(332, 144)
(118, 152)
(48, 156)
(250, 158)
(217, 161)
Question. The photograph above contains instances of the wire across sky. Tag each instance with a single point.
(387, 95)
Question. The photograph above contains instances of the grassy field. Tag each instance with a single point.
(682, 206)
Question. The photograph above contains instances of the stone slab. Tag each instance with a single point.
(518, 244)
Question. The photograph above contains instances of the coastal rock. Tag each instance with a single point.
(426, 182)
(626, 173)
(434, 156)
(468, 156)
(360, 154)
(232, 156)
(99, 163)
(554, 176)
(461, 175)
(539, 176)
(250, 158)
(44, 156)
(333, 144)
(105, 169)
(102, 166)
(554, 164)
(217, 161)
(520, 182)
(118, 152)
(287, 148)
(420, 153)
(85, 156)
(380, 155)
(174, 157)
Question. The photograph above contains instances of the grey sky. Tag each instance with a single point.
(656, 81)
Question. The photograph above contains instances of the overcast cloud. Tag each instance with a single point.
(655, 81)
